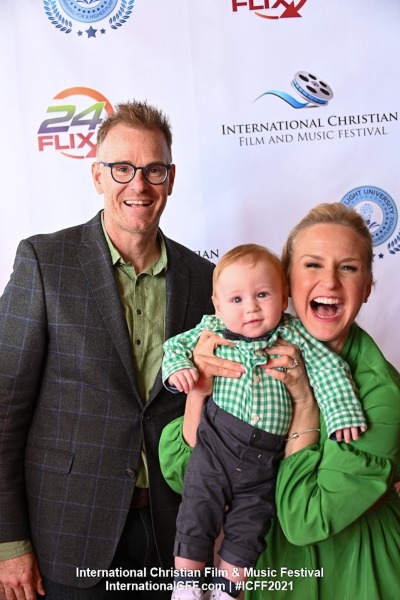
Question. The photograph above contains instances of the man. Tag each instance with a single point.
(82, 406)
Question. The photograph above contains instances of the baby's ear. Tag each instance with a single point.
(216, 305)
(285, 297)
(285, 302)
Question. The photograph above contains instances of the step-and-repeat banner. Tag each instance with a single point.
(276, 106)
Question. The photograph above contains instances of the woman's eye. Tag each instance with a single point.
(312, 265)
(349, 268)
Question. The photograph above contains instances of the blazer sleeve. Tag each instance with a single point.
(23, 341)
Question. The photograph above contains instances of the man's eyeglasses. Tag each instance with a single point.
(124, 172)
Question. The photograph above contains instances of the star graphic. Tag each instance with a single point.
(102, 31)
(91, 32)
(380, 255)
(79, 33)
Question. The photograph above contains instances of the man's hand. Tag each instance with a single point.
(20, 578)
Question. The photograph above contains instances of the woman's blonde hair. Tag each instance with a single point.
(333, 213)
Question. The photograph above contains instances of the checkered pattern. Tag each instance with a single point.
(71, 419)
(260, 400)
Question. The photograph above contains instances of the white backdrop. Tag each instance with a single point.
(250, 163)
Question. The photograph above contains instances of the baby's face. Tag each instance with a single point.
(250, 298)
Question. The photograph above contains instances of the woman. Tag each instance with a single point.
(337, 534)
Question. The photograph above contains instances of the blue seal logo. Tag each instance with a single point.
(62, 13)
(88, 11)
(379, 212)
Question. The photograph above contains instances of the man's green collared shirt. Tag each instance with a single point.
(143, 298)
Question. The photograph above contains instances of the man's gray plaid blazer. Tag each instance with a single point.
(71, 419)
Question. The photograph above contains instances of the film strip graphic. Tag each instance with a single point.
(314, 90)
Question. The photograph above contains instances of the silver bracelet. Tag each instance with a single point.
(295, 435)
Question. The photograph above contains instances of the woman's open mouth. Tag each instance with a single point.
(326, 308)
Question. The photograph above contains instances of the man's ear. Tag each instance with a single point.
(171, 179)
(96, 176)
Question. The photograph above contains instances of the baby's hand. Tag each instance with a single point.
(184, 380)
(349, 433)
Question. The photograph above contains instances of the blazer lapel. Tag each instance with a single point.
(96, 263)
(177, 300)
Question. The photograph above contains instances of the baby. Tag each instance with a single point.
(241, 436)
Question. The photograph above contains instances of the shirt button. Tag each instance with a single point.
(130, 472)
(138, 311)
(255, 418)
(256, 378)
(138, 342)
(261, 353)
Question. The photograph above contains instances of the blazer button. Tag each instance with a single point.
(130, 472)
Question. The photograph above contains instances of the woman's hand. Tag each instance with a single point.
(305, 419)
(293, 373)
(210, 365)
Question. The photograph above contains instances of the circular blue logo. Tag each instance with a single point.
(377, 209)
(88, 11)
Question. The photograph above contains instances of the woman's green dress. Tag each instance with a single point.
(337, 535)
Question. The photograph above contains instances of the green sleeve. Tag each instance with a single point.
(14, 549)
(323, 488)
(178, 350)
(174, 455)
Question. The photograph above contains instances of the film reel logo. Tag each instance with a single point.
(311, 88)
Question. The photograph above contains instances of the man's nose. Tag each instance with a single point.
(139, 182)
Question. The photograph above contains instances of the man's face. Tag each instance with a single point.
(134, 207)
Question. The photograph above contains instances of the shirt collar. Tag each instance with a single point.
(117, 259)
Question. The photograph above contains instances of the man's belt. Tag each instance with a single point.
(140, 498)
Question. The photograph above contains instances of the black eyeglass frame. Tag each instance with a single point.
(135, 169)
